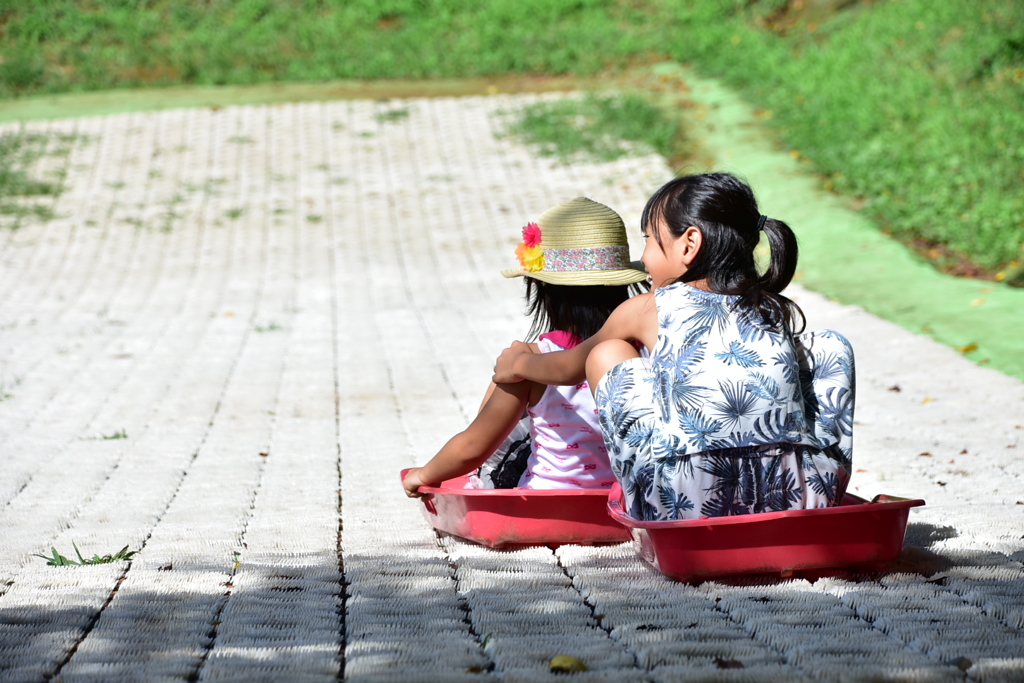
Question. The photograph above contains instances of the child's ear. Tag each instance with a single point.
(691, 241)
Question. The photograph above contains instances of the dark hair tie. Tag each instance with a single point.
(760, 222)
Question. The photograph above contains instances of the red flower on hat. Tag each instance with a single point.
(531, 235)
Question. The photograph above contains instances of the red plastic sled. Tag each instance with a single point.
(855, 533)
(498, 517)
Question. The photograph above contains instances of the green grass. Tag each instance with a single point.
(598, 127)
(913, 109)
(63, 45)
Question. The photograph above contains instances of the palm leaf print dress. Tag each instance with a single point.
(728, 416)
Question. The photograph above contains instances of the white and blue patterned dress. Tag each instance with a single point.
(728, 416)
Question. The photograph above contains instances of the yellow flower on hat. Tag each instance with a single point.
(531, 258)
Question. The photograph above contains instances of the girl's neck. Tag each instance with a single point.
(701, 284)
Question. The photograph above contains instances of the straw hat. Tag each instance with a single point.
(578, 242)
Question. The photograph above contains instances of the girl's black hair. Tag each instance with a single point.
(724, 209)
(577, 309)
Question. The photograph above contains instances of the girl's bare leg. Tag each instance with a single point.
(606, 356)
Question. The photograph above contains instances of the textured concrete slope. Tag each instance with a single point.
(245, 321)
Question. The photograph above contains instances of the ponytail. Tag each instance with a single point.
(783, 248)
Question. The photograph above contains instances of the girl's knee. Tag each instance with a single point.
(606, 356)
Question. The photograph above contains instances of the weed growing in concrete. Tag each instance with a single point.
(19, 188)
(58, 560)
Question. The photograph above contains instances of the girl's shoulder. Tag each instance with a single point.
(684, 290)
(696, 310)
(681, 295)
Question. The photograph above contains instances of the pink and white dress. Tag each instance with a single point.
(568, 448)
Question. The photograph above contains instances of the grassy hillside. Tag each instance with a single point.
(913, 108)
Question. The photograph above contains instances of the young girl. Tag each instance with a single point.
(730, 414)
(576, 263)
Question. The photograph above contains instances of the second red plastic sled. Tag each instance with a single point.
(499, 517)
(854, 534)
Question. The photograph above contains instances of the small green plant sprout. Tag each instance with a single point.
(314, 218)
(5, 387)
(58, 560)
(119, 434)
(241, 139)
(234, 213)
(391, 115)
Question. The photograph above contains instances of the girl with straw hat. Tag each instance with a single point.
(575, 263)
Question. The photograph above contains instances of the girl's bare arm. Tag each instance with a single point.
(468, 449)
(490, 389)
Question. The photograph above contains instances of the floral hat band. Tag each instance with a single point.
(587, 258)
(579, 242)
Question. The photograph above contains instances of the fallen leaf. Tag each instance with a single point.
(896, 388)
(924, 455)
(941, 483)
(567, 664)
(967, 348)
